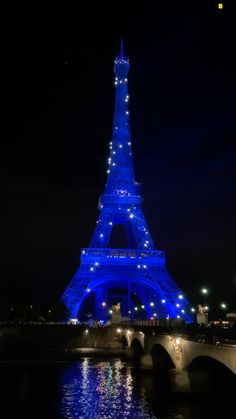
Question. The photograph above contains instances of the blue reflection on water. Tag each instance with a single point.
(103, 390)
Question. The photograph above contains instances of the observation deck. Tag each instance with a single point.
(151, 257)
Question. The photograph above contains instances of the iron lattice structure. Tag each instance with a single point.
(134, 274)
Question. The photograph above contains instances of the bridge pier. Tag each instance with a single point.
(146, 361)
(128, 352)
(189, 382)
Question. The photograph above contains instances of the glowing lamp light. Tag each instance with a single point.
(110, 311)
(88, 289)
(220, 6)
(92, 269)
(136, 308)
(163, 301)
(96, 264)
(118, 330)
(151, 304)
(131, 215)
(142, 306)
(180, 297)
(223, 305)
(101, 235)
(86, 331)
(178, 317)
(154, 314)
(206, 308)
(204, 291)
(104, 304)
(177, 305)
(110, 223)
(193, 310)
(182, 311)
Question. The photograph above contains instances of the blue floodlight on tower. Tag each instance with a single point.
(133, 273)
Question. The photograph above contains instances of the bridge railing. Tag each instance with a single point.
(168, 323)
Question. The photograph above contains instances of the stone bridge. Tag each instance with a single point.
(189, 359)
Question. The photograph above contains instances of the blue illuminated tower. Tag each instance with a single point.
(122, 264)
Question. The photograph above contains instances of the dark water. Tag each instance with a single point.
(93, 388)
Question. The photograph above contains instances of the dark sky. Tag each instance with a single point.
(58, 96)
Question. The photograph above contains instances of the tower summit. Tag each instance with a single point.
(121, 172)
(121, 264)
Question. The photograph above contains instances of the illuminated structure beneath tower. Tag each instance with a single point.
(122, 264)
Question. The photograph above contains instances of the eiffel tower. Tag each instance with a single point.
(121, 263)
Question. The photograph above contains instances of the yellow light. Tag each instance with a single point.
(220, 5)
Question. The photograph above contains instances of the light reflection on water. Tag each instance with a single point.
(99, 389)
(102, 390)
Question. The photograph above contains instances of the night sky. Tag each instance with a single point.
(58, 99)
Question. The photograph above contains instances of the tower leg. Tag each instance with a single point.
(100, 311)
(129, 308)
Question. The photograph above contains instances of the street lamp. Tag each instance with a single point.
(223, 305)
(204, 291)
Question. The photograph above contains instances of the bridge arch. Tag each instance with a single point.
(210, 372)
(124, 342)
(137, 348)
(161, 359)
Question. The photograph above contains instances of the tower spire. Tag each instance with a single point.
(121, 48)
(121, 177)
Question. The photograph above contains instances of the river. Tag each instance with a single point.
(96, 388)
